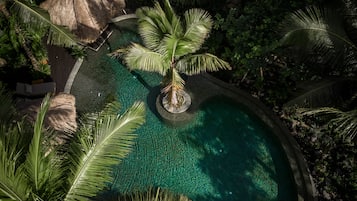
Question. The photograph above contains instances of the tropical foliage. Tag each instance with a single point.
(153, 194)
(23, 26)
(327, 139)
(321, 32)
(171, 46)
(246, 35)
(327, 135)
(32, 168)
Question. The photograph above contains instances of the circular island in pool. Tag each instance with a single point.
(231, 148)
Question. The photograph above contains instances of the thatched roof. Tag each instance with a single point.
(86, 18)
(2, 62)
(61, 115)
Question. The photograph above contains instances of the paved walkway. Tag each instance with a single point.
(61, 65)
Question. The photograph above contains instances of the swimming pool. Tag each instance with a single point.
(224, 153)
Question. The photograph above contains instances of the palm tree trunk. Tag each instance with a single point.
(173, 89)
(174, 101)
(22, 39)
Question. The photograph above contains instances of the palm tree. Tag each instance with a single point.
(29, 17)
(29, 171)
(170, 47)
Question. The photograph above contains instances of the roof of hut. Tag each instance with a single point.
(85, 18)
(61, 115)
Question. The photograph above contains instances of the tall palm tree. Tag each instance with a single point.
(28, 16)
(28, 171)
(170, 47)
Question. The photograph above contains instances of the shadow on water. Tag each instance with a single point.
(234, 156)
(152, 95)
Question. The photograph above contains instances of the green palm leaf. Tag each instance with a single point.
(35, 159)
(142, 58)
(171, 18)
(7, 109)
(197, 63)
(155, 23)
(170, 48)
(152, 194)
(13, 183)
(315, 27)
(38, 19)
(342, 123)
(149, 29)
(98, 149)
(198, 25)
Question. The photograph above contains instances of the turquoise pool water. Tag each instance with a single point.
(224, 154)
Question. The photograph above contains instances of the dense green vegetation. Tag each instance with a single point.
(24, 28)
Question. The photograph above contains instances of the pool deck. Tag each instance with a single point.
(62, 64)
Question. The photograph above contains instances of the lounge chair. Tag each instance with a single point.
(35, 90)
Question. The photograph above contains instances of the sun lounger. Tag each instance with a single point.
(34, 90)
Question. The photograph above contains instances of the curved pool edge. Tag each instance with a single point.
(204, 86)
(72, 75)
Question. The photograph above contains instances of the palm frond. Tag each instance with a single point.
(153, 194)
(141, 58)
(198, 25)
(170, 48)
(176, 47)
(315, 27)
(13, 183)
(7, 109)
(156, 22)
(197, 63)
(99, 148)
(342, 123)
(118, 53)
(36, 165)
(172, 18)
(39, 19)
(148, 27)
